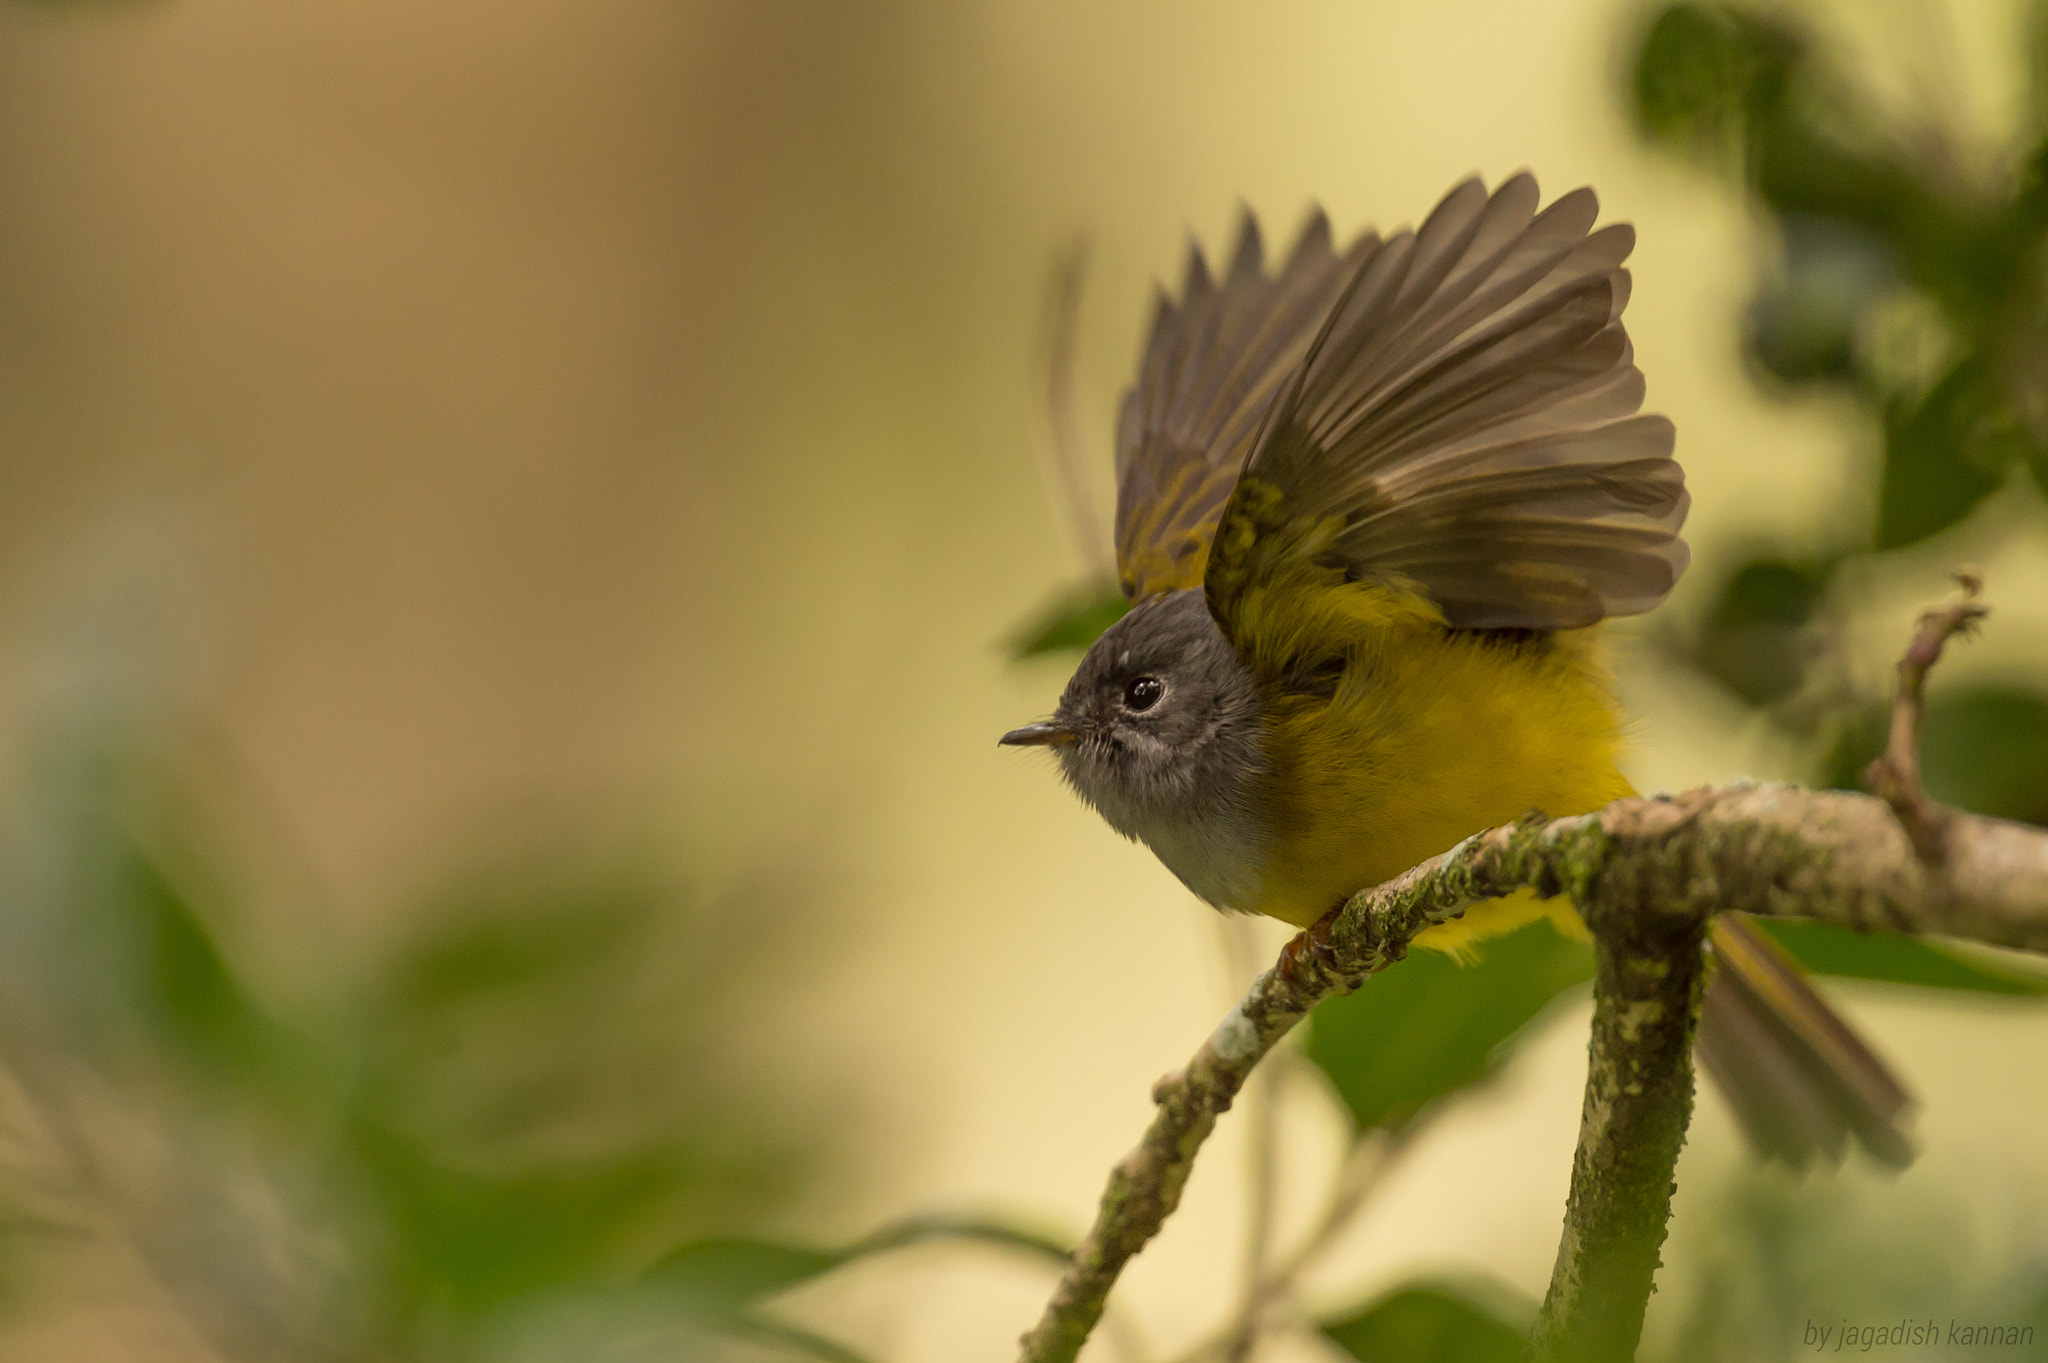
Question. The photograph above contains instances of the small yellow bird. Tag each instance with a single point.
(1371, 507)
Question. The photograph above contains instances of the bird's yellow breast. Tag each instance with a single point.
(1390, 738)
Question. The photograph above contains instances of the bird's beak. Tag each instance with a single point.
(1051, 734)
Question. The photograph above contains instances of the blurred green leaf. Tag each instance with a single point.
(1944, 456)
(1859, 738)
(718, 1276)
(1828, 949)
(1984, 749)
(1755, 95)
(472, 1239)
(1071, 621)
(726, 1275)
(1468, 1321)
(1699, 71)
(506, 1155)
(1805, 326)
(1428, 1026)
(2036, 39)
(185, 983)
(1823, 160)
(491, 942)
(1752, 640)
(1766, 1247)
(917, 1230)
(793, 1339)
(484, 1132)
(187, 994)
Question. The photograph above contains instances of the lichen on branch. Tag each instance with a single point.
(1774, 851)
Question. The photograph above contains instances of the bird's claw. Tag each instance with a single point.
(1314, 941)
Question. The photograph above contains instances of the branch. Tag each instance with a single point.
(1648, 978)
(1775, 851)
(1648, 982)
(1146, 1184)
(1895, 775)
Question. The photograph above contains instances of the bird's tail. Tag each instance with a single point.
(1800, 1081)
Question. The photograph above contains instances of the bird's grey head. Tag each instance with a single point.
(1160, 723)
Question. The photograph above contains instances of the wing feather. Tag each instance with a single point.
(1465, 424)
(1214, 359)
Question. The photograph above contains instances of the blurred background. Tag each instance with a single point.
(515, 524)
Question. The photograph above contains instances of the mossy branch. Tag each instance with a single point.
(1776, 851)
(1649, 977)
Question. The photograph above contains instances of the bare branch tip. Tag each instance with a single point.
(1895, 775)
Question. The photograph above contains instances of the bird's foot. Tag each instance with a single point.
(1313, 941)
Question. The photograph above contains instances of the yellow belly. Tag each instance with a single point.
(1429, 736)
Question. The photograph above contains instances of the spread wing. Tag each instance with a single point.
(1213, 362)
(1465, 424)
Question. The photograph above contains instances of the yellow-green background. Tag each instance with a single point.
(636, 403)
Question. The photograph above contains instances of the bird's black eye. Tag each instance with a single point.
(1143, 693)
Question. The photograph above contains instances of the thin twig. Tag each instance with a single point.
(1062, 324)
(1366, 1166)
(1264, 1171)
(1145, 1187)
(1261, 1101)
(1895, 775)
(1365, 1170)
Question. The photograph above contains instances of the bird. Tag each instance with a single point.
(1374, 504)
